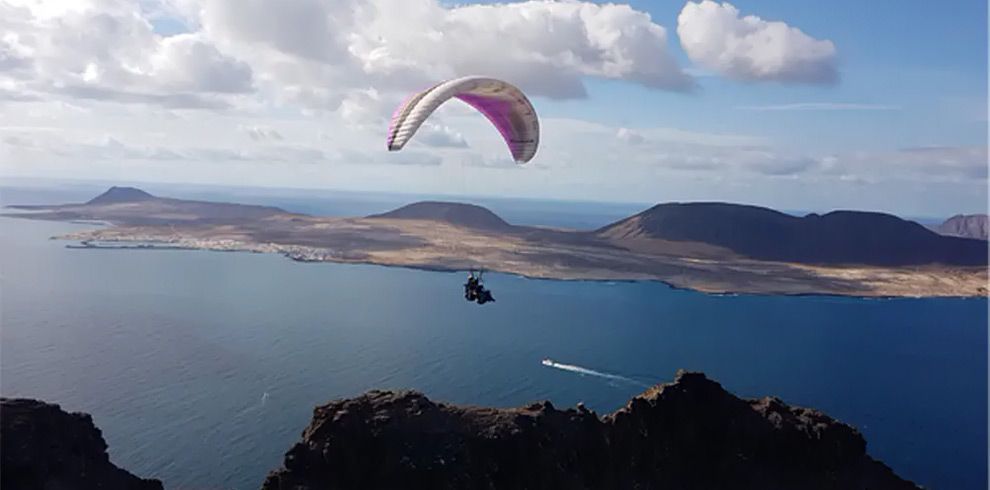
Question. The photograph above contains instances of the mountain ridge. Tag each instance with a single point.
(457, 213)
(836, 237)
(121, 194)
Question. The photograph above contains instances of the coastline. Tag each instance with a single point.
(304, 254)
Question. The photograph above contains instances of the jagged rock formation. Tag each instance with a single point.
(690, 434)
(838, 237)
(43, 447)
(966, 226)
(455, 213)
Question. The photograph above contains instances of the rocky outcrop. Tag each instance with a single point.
(690, 434)
(966, 226)
(44, 447)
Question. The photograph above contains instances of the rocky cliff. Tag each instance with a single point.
(43, 447)
(966, 226)
(690, 434)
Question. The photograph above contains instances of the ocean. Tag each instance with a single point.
(202, 368)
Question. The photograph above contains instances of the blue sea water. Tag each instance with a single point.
(202, 368)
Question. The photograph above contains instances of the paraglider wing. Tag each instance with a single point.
(501, 102)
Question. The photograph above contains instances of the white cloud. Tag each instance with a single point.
(629, 136)
(186, 62)
(319, 55)
(718, 38)
(356, 57)
(739, 160)
(367, 109)
(106, 50)
(496, 162)
(406, 157)
(440, 136)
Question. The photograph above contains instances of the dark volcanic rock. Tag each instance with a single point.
(966, 226)
(455, 213)
(690, 434)
(46, 448)
(839, 237)
(117, 194)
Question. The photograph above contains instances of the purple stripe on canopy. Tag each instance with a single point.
(496, 110)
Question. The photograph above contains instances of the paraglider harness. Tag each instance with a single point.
(475, 291)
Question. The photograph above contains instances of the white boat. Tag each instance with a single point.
(547, 362)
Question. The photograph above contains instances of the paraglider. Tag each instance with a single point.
(475, 291)
(505, 106)
(501, 102)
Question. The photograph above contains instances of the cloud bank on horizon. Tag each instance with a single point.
(298, 92)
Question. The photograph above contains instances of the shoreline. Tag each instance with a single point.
(163, 245)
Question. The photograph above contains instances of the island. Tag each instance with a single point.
(708, 246)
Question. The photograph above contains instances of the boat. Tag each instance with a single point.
(547, 361)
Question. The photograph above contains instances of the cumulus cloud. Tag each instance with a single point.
(354, 56)
(440, 136)
(106, 50)
(398, 45)
(749, 48)
(367, 108)
(629, 136)
(186, 62)
(546, 47)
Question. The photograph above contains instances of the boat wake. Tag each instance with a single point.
(590, 372)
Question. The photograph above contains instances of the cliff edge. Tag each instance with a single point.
(43, 447)
(689, 434)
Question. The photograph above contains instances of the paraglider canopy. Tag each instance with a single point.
(501, 102)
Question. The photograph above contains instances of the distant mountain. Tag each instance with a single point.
(839, 237)
(966, 226)
(146, 209)
(455, 213)
(117, 194)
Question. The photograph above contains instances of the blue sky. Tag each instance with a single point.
(926, 61)
(814, 105)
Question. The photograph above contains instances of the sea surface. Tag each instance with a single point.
(202, 368)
